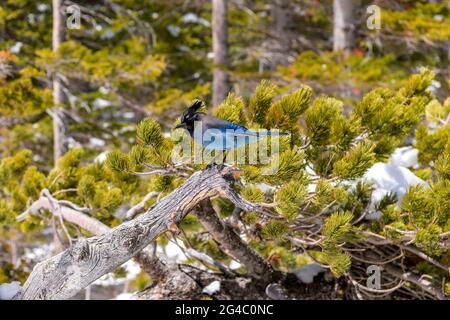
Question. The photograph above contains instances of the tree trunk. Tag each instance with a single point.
(59, 134)
(220, 50)
(279, 47)
(343, 25)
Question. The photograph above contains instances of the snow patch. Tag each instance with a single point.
(173, 30)
(265, 187)
(132, 270)
(234, 265)
(104, 90)
(311, 187)
(40, 253)
(212, 288)
(124, 296)
(389, 178)
(101, 103)
(307, 273)
(173, 252)
(42, 7)
(9, 290)
(16, 48)
(405, 157)
(193, 18)
(96, 142)
(101, 157)
(129, 115)
(434, 86)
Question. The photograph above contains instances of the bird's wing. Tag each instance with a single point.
(210, 122)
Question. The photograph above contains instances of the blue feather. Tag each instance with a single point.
(219, 134)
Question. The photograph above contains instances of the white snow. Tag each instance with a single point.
(16, 47)
(405, 157)
(124, 296)
(387, 178)
(307, 273)
(212, 288)
(101, 103)
(234, 265)
(434, 86)
(193, 18)
(38, 254)
(438, 17)
(108, 34)
(42, 7)
(101, 157)
(173, 252)
(132, 270)
(129, 115)
(9, 290)
(265, 187)
(96, 142)
(173, 30)
(312, 187)
(72, 143)
(104, 90)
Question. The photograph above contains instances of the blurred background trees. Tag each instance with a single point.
(85, 89)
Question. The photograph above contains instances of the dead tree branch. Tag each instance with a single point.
(64, 275)
(231, 243)
(149, 262)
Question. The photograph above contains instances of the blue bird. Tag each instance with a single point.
(218, 134)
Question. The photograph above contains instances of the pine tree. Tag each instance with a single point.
(325, 223)
(122, 187)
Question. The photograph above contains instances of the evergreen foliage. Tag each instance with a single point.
(128, 79)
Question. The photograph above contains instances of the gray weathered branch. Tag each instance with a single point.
(422, 283)
(65, 274)
(232, 243)
(148, 260)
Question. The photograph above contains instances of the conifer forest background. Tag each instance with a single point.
(94, 204)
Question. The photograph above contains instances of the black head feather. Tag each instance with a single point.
(197, 104)
(189, 114)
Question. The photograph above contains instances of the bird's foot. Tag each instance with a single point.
(211, 165)
(220, 166)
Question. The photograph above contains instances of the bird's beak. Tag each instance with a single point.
(181, 126)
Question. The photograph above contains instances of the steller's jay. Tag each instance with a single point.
(218, 134)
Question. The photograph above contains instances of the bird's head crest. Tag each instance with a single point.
(189, 115)
(195, 106)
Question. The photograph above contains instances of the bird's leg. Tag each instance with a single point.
(222, 164)
(213, 162)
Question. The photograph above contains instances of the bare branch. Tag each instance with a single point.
(139, 208)
(410, 277)
(231, 243)
(64, 275)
